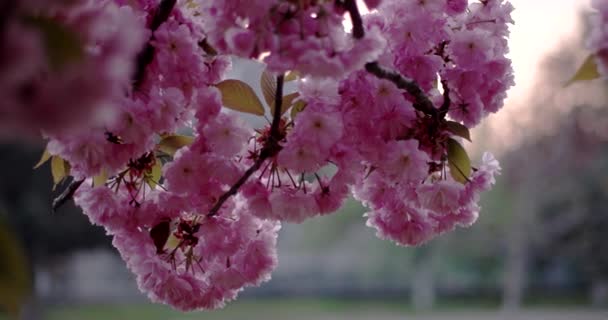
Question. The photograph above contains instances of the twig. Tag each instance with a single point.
(422, 102)
(278, 105)
(269, 150)
(233, 190)
(66, 195)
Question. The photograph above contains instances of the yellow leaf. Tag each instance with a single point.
(15, 282)
(170, 144)
(297, 108)
(153, 178)
(239, 96)
(101, 178)
(172, 242)
(587, 71)
(458, 161)
(269, 87)
(286, 103)
(60, 169)
(43, 159)
(292, 75)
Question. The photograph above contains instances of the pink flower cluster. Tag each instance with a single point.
(307, 36)
(64, 64)
(598, 38)
(194, 197)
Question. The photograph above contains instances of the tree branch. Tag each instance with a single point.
(422, 102)
(269, 150)
(278, 105)
(66, 195)
(145, 57)
(355, 17)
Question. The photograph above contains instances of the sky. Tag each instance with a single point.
(540, 25)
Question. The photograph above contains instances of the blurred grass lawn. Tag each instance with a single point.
(327, 309)
(242, 309)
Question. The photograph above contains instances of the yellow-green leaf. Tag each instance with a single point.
(269, 87)
(60, 169)
(170, 144)
(292, 75)
(286, 103)
(587, 71)
(62, 44)
(101, 178)
(43, 159)
(15, 281)
(458, 161)
(239, 96)
(153, 178)
(458, 129)
(297, 108)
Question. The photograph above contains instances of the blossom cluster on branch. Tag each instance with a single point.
(191, 193)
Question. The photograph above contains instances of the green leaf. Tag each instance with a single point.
(60, 169)
(239, 96)
(458, 161)
(269, 87)
(61, 43)
(286, 103)
(43, 159)
(153, 177)
(298, 107)
(15, 281)
(170, 144)
(587, 71)
(458, 129)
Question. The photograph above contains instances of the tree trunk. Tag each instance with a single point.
(423, 282)
(514, 284)
(599, 293)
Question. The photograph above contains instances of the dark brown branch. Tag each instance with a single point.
(269, 150)
(278, 105)
(145, 57)
(355, 17)
(422, 102)
(235, 188)
(66, 195)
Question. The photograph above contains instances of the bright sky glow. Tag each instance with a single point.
(540, 27)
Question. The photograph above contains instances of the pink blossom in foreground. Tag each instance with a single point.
(58, 87)
(194, 197)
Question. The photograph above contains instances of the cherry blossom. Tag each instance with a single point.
(192, 193)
